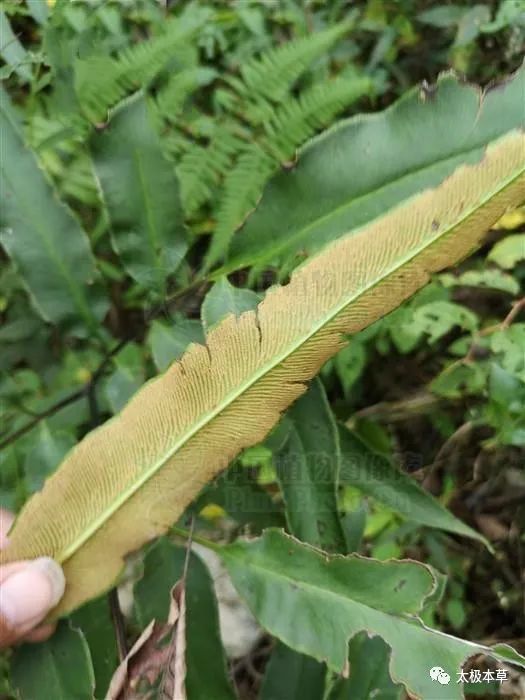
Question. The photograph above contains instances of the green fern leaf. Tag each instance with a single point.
(298, 119)
(100, 82)
(276, 71)
(241, 190)
(183, 428)
(172, 97)
(202, 167)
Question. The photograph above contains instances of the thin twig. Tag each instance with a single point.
(516, 307)
(75, 396)
(499, 502)
(457, 438)
(185, 534)
(119, 624)
(398, 411)
(71, 398)
(156, 311)
(98, 373)
(188, 549)
(470, 356)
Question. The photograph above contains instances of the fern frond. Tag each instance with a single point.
(274, 73)
(291, 125)
(101, 81)
(180, 86)
(256, 110)
(196, 175)
(176, 144)
(242, 187)
(129, 480)
(202, 167)
(298, 119)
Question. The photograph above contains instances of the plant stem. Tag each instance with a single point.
(119, 624)
(187, 535)
(75, 396)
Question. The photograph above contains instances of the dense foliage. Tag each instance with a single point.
(157, 176)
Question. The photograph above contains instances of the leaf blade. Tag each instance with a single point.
(306, 587)
(141, 192)
(45, 240)
(59, 668)
(292, 675)
(307, 468)
(356, 171)
(223, 299)
(374, 475)
(296, 329)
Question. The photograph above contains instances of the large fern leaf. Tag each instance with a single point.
(127, 481)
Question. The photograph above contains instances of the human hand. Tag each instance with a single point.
(28, 591)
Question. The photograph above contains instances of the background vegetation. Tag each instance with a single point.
(434, 393)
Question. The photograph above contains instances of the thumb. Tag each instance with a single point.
(28, 591)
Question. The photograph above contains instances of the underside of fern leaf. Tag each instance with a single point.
(129, 480)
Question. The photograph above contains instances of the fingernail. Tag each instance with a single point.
(27, 596)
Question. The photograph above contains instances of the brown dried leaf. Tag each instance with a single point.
(157, 658)
(173, 683)
(137, 675)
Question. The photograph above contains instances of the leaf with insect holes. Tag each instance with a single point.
(315, 603)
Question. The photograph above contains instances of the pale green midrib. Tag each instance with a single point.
(152, 230)
(233, 396)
